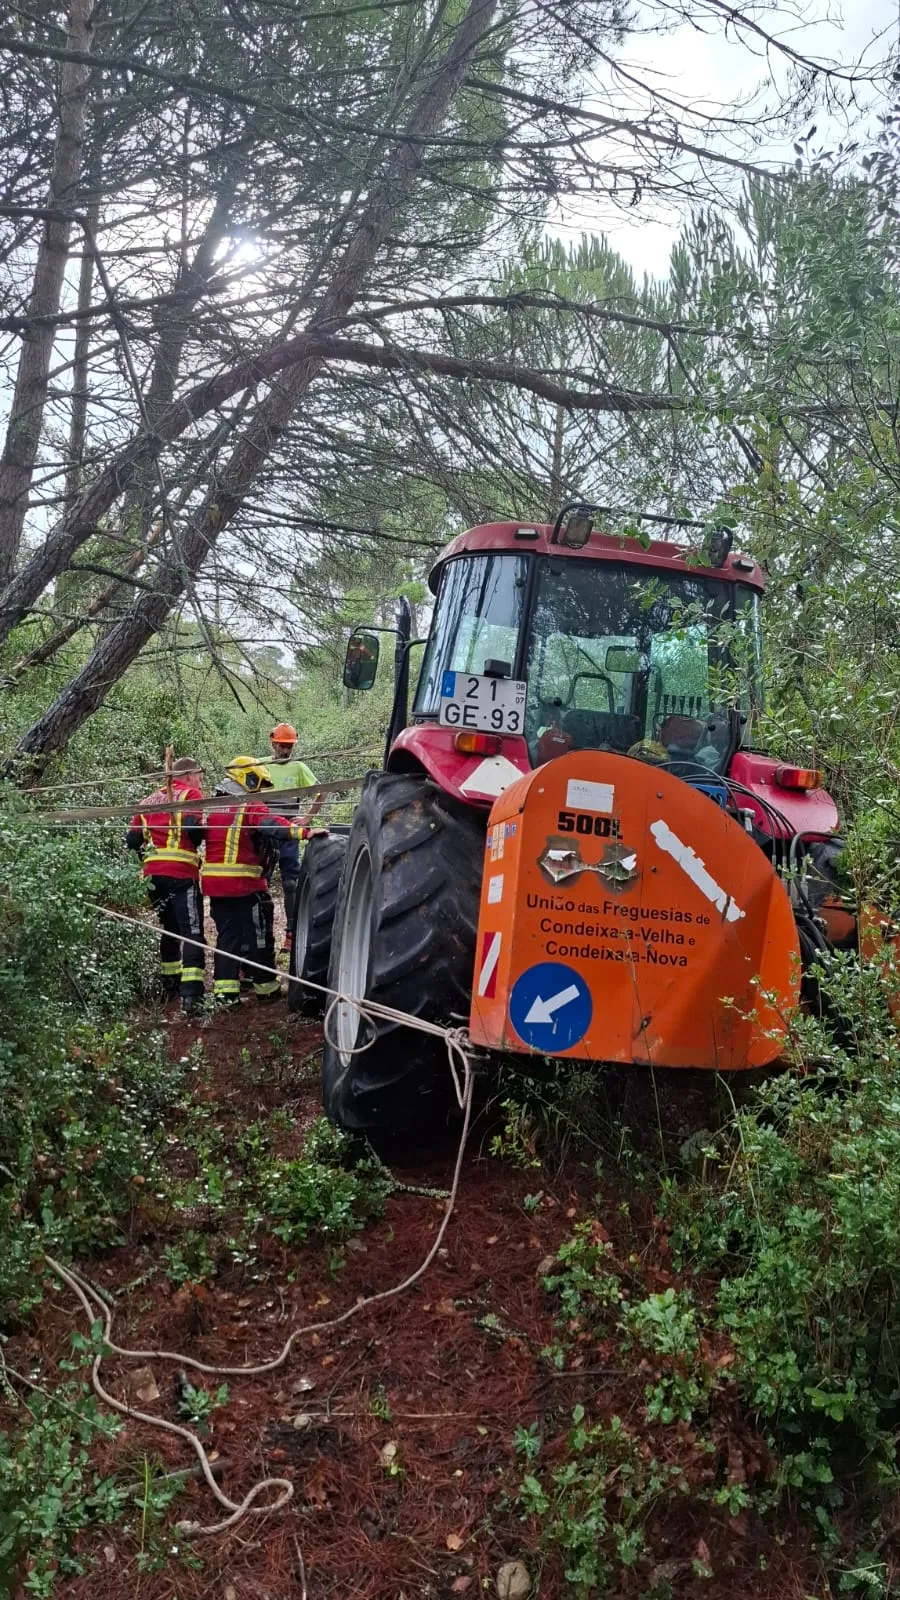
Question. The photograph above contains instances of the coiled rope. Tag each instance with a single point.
(94, 1306)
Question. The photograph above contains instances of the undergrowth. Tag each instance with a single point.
(758, 1314)
(93, 1114)
(50, 1490)
(81, 1094)
(245, 1188)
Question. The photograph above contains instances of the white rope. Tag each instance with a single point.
(366, 1008)
(460, 1066)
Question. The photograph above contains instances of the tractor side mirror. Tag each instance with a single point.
(622, 658)
(361, 660)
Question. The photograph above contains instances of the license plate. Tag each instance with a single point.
(491, 705)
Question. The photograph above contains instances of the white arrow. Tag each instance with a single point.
(542, 1010)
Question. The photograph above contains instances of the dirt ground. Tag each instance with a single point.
(395, 1429)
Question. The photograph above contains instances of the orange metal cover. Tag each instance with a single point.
(625, 917)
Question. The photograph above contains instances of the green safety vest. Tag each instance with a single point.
(290, 774)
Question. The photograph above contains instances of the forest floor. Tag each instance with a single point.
(397, 1429)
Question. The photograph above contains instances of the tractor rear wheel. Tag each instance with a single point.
(404, 936)
(317, 894)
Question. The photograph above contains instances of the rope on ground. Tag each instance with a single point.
(94, 1306)
(366, 1008)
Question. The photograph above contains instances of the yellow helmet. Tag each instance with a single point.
(249, 773)
(650, 750)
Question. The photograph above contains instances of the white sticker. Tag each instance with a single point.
(491, 776)
(495, 889)
(583, 796)
(691, 864)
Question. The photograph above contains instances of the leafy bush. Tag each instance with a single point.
(332, 1187)
(789, 1233)
(664, 1326)
(595, 1507)
(48, 1488)
(81, 1095)
(803, 1225)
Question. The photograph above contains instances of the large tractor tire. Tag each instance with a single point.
(317, 895)
(404, 936)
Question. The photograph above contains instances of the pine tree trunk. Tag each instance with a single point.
(191, 281)
(80, 523)
(30, 395)
(81, 364)
(125, 641)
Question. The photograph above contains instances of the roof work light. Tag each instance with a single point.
(574, 525)
(717, 544)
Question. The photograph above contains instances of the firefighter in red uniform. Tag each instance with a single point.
(167, 842)
(242, 835)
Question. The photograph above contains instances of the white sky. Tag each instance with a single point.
(714, 67)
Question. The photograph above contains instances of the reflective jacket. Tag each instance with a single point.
(168, 840)
(241, 837)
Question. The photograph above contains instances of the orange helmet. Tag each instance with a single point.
(284, 734)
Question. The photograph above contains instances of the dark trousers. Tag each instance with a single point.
(179, 906)
(267, 905)
(243, 928)
(290, 907)
(289, 896)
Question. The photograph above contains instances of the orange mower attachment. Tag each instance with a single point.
(625, 917)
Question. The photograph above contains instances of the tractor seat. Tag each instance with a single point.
(681, 734)
(601, 730)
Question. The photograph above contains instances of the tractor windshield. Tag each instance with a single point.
(624, 657)
(477, 618)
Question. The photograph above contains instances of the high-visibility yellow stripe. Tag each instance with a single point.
(226, 986)
(173, 839)
(221, 870)
(267, 988)
(232, 837)
(170, 969)
(192, 974)
(172, 849)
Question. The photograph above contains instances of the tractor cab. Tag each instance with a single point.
(539, 648)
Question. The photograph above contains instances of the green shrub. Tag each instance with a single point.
(48, 1489)
(595, 1507)
(801, 1221)
(333, 1187)
(81, 1095)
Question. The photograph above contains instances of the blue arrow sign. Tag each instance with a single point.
(550, 1007)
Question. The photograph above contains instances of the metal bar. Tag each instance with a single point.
(269, 797)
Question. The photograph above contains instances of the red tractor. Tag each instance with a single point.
(571, 849)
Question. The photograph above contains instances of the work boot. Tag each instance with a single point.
(193, 1005)
(171, 988)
